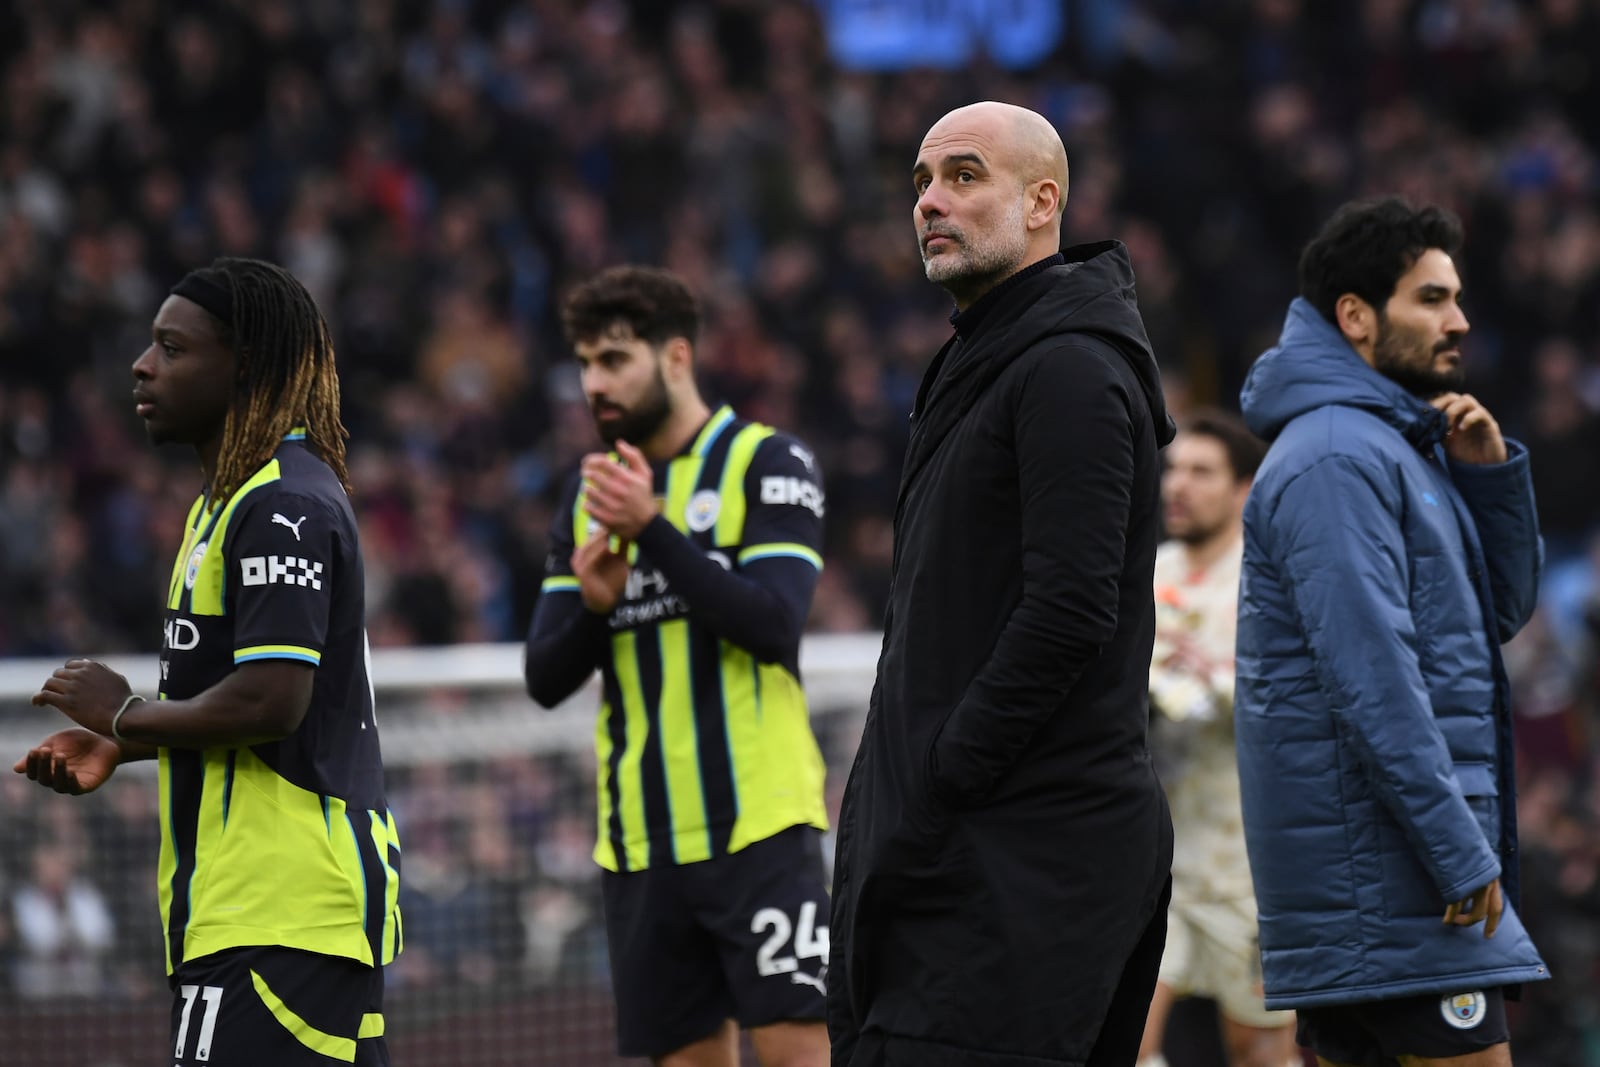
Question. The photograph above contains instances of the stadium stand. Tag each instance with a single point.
(436, 171)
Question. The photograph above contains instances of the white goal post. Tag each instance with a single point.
(838, 670)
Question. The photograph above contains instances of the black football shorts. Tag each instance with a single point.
(1378, 1032)
(277, 1007)
(742, 937)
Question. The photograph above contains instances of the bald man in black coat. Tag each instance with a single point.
(1004, 847)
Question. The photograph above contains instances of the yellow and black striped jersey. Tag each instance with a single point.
(703, 740)
(288, 843)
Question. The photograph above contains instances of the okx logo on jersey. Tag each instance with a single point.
(275, 570)
(780, 490)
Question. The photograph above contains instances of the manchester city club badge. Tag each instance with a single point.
(193, 570)
(703, 509)
(1463, 1010)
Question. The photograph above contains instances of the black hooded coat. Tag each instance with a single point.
(1003, 841)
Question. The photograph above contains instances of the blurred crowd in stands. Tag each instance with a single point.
(438, 171)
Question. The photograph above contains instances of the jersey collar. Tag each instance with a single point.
(709, 433)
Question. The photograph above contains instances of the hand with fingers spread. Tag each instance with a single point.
(72, 761)
(620, 495)
(601, 572)
(1473, 435)
(87, 692)
(1483, 905)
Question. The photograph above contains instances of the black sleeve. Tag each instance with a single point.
(1075, 453)
(283, 550)
(565, 639)
(760, 601)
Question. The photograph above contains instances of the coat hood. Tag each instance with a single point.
(1092, 292)
(1312, 366)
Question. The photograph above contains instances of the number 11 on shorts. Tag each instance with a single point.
(212, 996)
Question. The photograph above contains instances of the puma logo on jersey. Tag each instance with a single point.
(280, 520)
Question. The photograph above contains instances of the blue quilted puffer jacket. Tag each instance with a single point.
(1372, 712)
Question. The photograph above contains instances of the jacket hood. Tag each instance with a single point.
(1091, 293)
(1312, 366)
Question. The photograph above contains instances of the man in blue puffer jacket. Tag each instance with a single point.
(1391, 546)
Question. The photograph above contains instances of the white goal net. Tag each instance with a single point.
(505, 958)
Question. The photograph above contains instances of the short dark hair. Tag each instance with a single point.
(654, 303)
(1367, 245)
(1245, 450)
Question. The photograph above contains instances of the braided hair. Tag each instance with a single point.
(287, 377)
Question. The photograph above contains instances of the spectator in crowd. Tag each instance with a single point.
(64, 929)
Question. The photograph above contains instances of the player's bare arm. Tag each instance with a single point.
(78, 761)
(257, 703)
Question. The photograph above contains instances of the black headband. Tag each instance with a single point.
(208, 294)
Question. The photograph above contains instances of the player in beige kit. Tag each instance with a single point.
(1211, 926)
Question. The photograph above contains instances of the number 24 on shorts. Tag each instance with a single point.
(810, 940)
